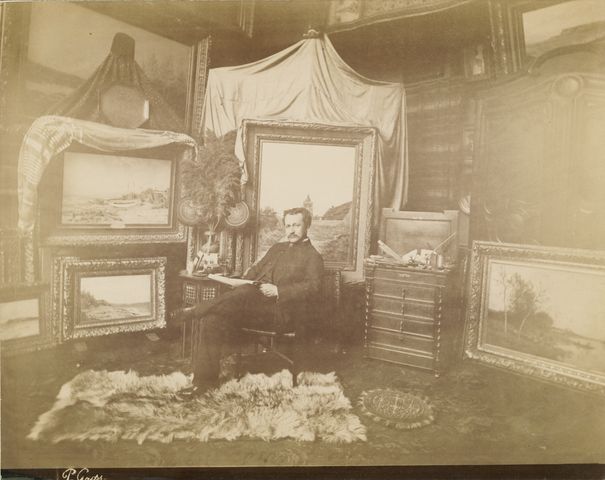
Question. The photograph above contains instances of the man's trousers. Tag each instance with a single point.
(220, 325)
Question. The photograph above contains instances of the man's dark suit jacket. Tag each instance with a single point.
(297, 271)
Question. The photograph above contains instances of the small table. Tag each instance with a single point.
(196, 289)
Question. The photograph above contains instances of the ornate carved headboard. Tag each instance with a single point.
(539, 172)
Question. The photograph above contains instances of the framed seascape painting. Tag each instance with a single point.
(111, 198)
(327, 169)
(539, 311)
(104, 296)
(24, 318)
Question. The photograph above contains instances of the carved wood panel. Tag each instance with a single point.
(587, 212)
(539, 174)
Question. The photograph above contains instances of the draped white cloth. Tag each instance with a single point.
(309, 82)
(50, 135)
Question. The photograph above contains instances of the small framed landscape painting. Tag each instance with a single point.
(24, 314)
(100, 297)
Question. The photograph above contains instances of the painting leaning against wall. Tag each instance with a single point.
(106, 296)
(328, 169)
(539, 311)
(548, 312)
(24, 318)
(19, 318)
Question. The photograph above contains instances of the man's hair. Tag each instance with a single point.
(305, 214)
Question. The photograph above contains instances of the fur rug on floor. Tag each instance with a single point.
(111, 406)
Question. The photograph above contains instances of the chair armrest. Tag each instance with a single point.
(181, 315)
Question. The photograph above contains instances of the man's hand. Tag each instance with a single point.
(268, 289)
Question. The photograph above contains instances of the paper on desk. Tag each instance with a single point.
(233, 282)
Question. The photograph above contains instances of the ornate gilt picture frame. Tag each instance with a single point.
(328, 169)
(538, 311)
(88, 197)
(106, 296)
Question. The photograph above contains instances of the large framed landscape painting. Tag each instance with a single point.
(330, 202)
(105, 296)
(326, 169)
(111, 198)
(82, 37)
(539, 311)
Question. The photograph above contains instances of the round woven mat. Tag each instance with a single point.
(395, 408)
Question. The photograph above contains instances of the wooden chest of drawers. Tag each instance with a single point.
(412, 316)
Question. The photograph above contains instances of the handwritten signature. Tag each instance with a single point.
(81, 474)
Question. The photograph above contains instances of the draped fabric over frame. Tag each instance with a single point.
(309, 82)
(118, 68)
(50, 135)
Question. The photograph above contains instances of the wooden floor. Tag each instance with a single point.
(483, 415)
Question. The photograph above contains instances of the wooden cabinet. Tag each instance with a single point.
(412, 316)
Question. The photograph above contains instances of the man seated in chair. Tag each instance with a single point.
(288, 281)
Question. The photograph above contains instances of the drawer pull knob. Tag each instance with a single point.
(401, 326)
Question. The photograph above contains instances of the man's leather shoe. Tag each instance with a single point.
(198, 389)
(188, 392)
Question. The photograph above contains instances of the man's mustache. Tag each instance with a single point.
(292, 235)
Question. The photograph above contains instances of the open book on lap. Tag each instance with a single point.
(233, 282)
